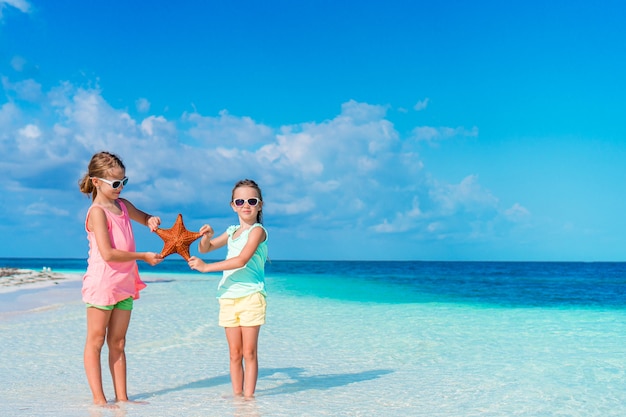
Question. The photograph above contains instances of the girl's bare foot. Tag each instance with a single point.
(105, 405)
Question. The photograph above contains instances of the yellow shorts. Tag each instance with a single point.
(246, 311)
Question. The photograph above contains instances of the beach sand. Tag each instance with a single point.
(14, 279)
(28, 289)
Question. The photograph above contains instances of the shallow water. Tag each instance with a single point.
(337, 343)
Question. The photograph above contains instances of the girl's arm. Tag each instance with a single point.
(97, 223)
(255, 238)
(207, 244)
(141, 217)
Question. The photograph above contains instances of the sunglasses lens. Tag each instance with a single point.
(251, 201)
(117, 184)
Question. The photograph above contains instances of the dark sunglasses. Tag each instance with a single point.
(115, 184)
(252, 201)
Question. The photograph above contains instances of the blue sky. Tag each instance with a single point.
(382, 130)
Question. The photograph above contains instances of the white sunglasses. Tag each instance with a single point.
(240, 201)
(115, 184)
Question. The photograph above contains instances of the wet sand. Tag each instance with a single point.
(13, 279)
(27, 289)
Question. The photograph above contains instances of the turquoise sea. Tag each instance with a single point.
(342, 339)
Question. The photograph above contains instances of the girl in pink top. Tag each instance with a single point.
(112, 281)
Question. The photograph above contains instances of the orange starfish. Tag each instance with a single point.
(177, 239)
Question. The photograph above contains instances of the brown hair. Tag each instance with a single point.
(252, 184)
(99, 166)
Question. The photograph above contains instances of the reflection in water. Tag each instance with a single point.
(245, 407)
(109, 410)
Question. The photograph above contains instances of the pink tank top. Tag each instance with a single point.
(107, 283)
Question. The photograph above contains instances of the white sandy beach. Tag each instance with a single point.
(14, 279)
(29, 289)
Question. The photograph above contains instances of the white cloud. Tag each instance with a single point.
(326, 186)
(142, 105)
(28, 139)
(362, 112)
(10, 113)
(21, 5)
(27, 90)
(468, 195)
(517, 213)
(228, 130)
(301, 205)
(41, 208)
(429, 133)
(448, 212)
(403, 221)
(348, 173)
(353, 142)
(30, 132)
(421, 105)
(385, 227)
(426, 133)
(18, 63)
(154, 125)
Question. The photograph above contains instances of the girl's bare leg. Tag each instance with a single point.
(250, 337)
(116, 341)
(97, 322)
(235, 349)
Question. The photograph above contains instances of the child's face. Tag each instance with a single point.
(246, 202)
(112, 184)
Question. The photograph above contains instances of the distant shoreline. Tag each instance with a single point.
(15, 279)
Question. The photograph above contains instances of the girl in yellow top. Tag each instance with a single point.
(241, 291)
